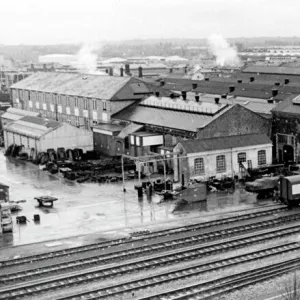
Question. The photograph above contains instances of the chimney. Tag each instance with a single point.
(206, 79)
(157, 94)
(286, 81)
(217, 100)
(274, 92)
(277, 83)
(197, 98)
(127, 69)
(240, 81)
(172, 96)
(252, 79)
(195, 85)
(224, 96)
(121, 72)
(162, 83)
(183, 94)
(111, 72)
(140, 72)
(231, 88)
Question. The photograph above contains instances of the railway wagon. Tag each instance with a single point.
(290, 190)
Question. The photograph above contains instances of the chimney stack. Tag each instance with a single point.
(240, 81)
(197, 98)
(127, 69)
(157, 94)
(286, 81)
(111, 72)
(217, 100)
(274, 92)
(206, 79)
(140, 72)
(195, 85)
(183, 94)
(252, 79)
(231, 88)
(121, 72)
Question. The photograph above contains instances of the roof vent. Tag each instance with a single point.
(224, 96)
(162, 83)
(206, 79)
(277, 83)
(240, 81)
(183, 94)
(84, 77)
(274, 92)
(195, 85)
(286, 81)
(217, 99)
(252, 79)
(270, 101)
(197, 98)
(172, 96)
(231, 88)
(157, 94)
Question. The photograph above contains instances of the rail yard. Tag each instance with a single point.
(198, 261)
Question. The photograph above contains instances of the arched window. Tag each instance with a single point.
(261, 157)
(221, 163)
(241, 157)
(198, 166)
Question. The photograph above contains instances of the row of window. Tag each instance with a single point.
(57, 99)
(221, 162)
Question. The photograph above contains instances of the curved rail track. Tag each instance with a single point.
(162, 278)
(49, 284)
(209, 289)
(132, 253)
(117, 242)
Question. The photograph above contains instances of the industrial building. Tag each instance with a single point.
(220, 156)
(78, 99)
(38, 134)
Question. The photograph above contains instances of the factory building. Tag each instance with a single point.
(38, 135)
(78, 99)
(220, 156)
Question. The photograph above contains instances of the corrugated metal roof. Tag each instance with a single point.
(226, 142)
(11, 116)
(272, 70)
(22, 112)
(85, 85)
(129, 129)
(187, 121)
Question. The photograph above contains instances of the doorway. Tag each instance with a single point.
(288, 153)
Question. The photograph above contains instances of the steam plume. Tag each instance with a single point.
(86, 59)
(225, 54)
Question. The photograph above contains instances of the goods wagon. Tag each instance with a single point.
(290, 190)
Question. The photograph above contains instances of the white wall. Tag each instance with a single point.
(68, 136)
(153, 140)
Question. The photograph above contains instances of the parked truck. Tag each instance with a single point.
(289, 190)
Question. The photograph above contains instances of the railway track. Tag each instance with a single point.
(102, 259)
(63, 281)
(152, 235)
(209, 289)
(162, 278)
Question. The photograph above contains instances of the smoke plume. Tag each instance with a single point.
(86, 59)
(225, 54)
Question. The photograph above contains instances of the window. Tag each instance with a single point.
(44, 97)
(241, 157)
(28, 93)
(221, 163)
(198, 166)
(76, 101)
(104, 105)
(58, 99)
(28, 144)
(261, 157)
(13, 137)
(77, 122)
(94, 104)
(85, 104)
(67, 101)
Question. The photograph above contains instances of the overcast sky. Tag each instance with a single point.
(65, 21)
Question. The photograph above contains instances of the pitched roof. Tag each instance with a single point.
(225, 142)
(287, 106)
(272, 70)
(85, 85)
(33, 126)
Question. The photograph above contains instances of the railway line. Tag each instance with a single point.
(162, 278)
(142, 251)
(47, 285)
(152, 235)
(209, 289)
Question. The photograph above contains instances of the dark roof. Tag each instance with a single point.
(272, 70)
(187, 121)
(226, 142)
(287, 106)
(109, 127)
(41, 121)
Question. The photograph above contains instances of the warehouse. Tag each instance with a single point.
(220, 156)
(41, 134)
